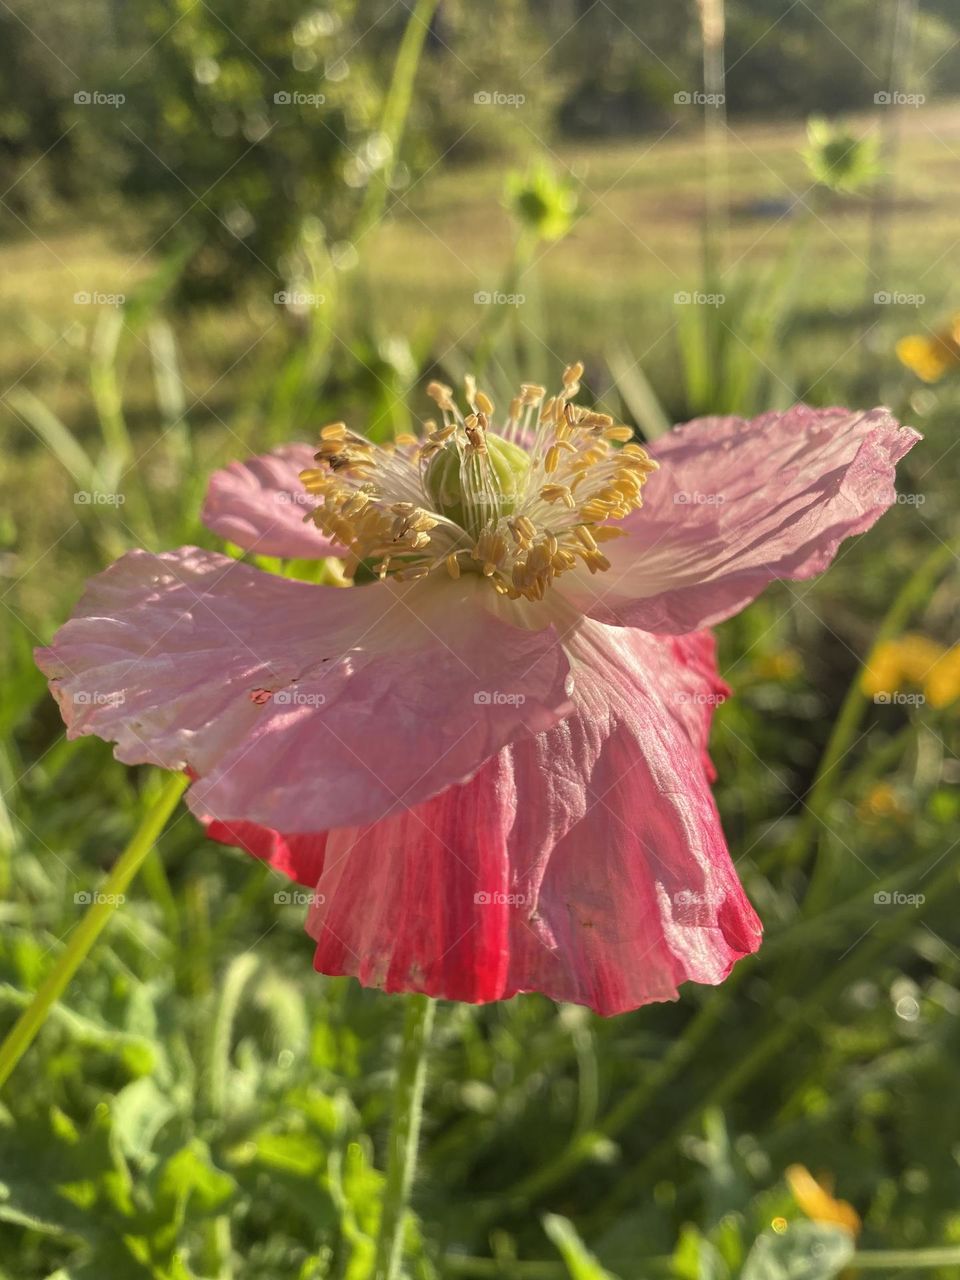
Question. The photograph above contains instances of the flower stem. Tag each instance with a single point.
(81, 941)
(888, 1259)
(404, 1135)
(396, 109)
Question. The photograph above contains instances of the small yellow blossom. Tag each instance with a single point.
(909, 660)
(783, 664)
(882, 801)
(942, 683)
(815, 1200)
(930, 357)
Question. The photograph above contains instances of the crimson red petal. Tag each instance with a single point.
(298, 856)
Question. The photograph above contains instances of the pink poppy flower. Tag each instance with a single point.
(490, 762)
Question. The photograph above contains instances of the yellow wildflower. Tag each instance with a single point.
(929, 357)
(816, 1201)
(907, 660)
(782, 664)
(942, 683)
(882, 801)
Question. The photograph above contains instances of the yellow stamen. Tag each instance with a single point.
(501, 518)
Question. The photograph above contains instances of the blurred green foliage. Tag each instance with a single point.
(237, 123)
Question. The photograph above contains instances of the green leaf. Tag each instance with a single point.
(580, 1263)
(139, 1113)
(356, 1190)
(695, 1258)
(637, 393)
(190, 1179)
(58, 438)
(297, 1153)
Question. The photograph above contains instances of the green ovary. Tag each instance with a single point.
(507, 468)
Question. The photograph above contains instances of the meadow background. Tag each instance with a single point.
(222, 226)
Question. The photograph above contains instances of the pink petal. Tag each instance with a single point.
(587, 863)
(737, 504)
(260, 505)
(299, 707)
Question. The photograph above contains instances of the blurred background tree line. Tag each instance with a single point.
(205, 89)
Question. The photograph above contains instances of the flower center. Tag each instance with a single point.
(502, 479)
(522, 505)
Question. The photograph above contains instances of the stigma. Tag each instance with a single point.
(520, 502)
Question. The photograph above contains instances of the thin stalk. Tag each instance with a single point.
(117, 460)
(87, 932)
(889, 1259)
(456, 1264)
(105, 385)
(913, 593)
(459, 1264)
(218, 1247)
(218, 1237)
(891, 120)
(392, 125)
(498, 317)
(404, 1136)
(232, 987)
(396, 109)
(715, 185)
(713, 29)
